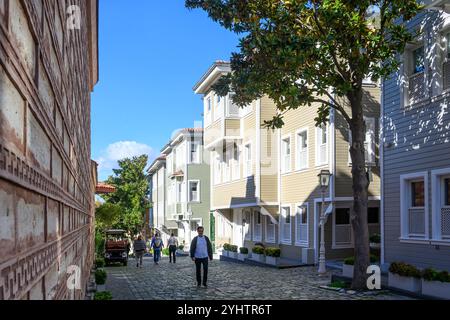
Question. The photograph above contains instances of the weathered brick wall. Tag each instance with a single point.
(47, 72)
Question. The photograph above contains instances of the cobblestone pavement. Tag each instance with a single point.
(226, 280)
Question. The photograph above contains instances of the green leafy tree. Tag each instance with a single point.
(107, 215)
(302, 53)
(132, 190)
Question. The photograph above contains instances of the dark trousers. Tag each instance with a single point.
(172, 253)
(198, 265)
(156, 255)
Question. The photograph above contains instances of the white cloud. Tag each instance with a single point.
(118, 151)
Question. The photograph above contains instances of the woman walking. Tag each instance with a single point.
(157, 245)
(139, 250)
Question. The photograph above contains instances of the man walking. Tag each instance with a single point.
(172, 243)
(157, 245)
(201, 250)
(139, 250)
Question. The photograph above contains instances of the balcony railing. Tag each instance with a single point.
(445, 223)
(416, 87)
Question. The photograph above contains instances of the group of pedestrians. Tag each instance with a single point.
(200, 252)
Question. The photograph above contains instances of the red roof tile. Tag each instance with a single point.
(103, 188)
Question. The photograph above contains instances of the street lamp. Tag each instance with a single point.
(324, 182)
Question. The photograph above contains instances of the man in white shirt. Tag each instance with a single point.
(201, 250)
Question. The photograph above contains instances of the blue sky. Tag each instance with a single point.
(151, 55)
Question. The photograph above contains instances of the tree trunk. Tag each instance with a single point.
(360, 193)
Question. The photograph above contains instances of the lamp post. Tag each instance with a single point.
(189, 212)
(324, 182)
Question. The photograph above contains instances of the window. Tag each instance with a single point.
(286, 225)
(441, 204)
(208, 104)
(301, 225)
(413, 206)
(248, 160)
(302, 150)
(417, 194)
(369, 142)
(342, 230)
(270, 230)
(194, 192)
(373, 215)
(322, 145)
(217, 168)
(418, 60)
(236, 163)
(246, 222)
(179, 188)
(227, 153)
(195, 152)
(257, 226)
(286, 152)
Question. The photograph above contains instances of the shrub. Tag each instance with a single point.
(226, 246)
(243, 250)
(430, 274)
(105, 295)
(272, 252)
(233, 248)
(375, 238)
(100, 276)
(258, 250)
(351, 260)
(165, 251)
(181, 247)
(404, 269)
(99, 263)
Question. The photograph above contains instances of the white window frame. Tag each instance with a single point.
(217, 168)
(236, 163)
(198, 190)
(257, 225)
(407, 73)
(208, 110)
(319, 131)
(297, 218)
(248, 163)
(405, 204)
(369, 140)
(269, 224)
(284, 156)
(298, 149)
(352, 240)
(437, 180)
(197, 160)
(283, 238)
(226, 164)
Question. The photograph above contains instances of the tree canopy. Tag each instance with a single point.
(131, 196)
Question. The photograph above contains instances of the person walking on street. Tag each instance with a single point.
(139, 250)
(201, 250)
(172, 243)
(157, 245)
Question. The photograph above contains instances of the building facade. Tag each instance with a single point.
(416, 147)
(180, 186)
(264, 182)
(48, 68)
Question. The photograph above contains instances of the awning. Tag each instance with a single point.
(103, 188)
(266, 212)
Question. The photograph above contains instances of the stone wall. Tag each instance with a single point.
(47, 72)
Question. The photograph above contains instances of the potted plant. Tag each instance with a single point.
(226, 249)
(347, 267)
(105, 295)
(436, 284)
(243, 253)
(100, 279)
(272, 256)
(233, 251)
(405, 277)
(258, 254)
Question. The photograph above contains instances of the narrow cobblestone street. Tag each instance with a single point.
(227, 280)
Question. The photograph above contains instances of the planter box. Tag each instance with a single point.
(347, 270)
(436, 289)
(242, 256)
(233, 255)
(404, 283)
(225, 253)
(101, 287)
(258, 257)
(273, 261)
